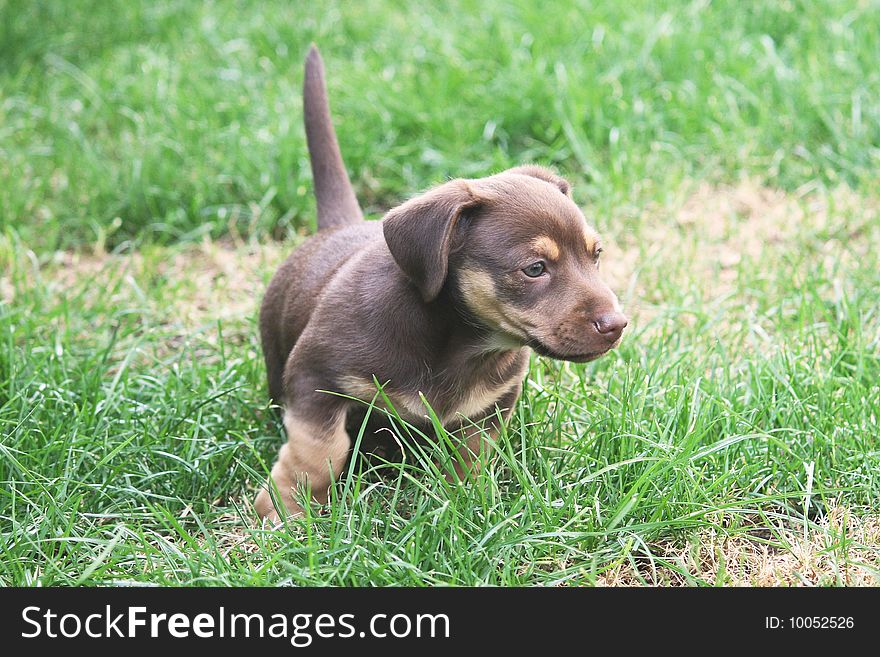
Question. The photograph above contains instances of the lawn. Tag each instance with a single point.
(153, 174)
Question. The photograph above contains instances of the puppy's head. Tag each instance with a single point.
(518, 253)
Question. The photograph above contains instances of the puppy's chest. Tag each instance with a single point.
(453, 395)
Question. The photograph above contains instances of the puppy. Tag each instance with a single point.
(445, 298)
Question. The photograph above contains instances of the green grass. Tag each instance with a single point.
(134, 426)
(166, 120)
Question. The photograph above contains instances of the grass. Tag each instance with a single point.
(169, 120)
(152, 159)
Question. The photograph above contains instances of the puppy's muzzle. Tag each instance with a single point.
(586, 340)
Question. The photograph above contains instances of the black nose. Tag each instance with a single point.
(610, 325)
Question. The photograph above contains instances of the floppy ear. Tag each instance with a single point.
(543, 173)
(419, 233)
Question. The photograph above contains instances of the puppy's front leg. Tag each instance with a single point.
(314, 456)
(475, 449)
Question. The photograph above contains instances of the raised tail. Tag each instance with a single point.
(337, 204)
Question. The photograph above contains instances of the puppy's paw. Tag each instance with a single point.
(266, 509)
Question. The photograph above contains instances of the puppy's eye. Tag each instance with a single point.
(534, 270)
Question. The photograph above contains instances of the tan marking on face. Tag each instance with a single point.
(590, 239)
(479, 293)
(546, 246)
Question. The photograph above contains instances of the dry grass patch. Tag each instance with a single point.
(737, 247)
(842, 548)
(210, 281)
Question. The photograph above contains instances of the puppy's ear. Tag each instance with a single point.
(543, 173)
(419, 233)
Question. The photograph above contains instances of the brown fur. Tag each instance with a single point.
(434, 301)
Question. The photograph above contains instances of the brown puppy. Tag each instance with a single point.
(444, 298)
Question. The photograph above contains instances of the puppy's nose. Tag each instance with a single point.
(610, 325)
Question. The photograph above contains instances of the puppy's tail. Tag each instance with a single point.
(337, 204)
